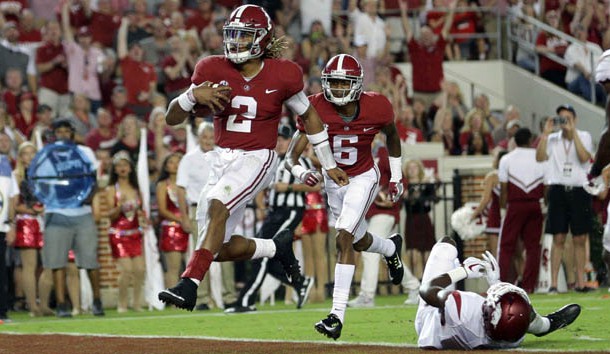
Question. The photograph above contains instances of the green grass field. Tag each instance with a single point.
(390, 323)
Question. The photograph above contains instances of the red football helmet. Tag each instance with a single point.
(247, 33)
(506, 312)
(346, 68)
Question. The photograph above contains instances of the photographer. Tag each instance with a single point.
(568, 151)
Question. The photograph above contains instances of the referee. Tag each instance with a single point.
(284, 214)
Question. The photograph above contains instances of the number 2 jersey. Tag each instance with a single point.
(351, 141)
(250, 120)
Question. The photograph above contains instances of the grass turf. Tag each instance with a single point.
(389, 323)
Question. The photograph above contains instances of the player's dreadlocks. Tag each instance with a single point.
(276, 48)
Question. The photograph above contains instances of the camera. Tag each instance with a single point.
(559, 120)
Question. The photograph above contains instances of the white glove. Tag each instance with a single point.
(475, 268)
(594, 186)
(492, 270)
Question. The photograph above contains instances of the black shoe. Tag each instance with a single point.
(395, 269)
(240, 309)
(63, 311)
(303, 291)
(584, 289)
(183, 295)
(202, 307)
(330, 326)
(561, 318)
(285, 254)
(98, 309)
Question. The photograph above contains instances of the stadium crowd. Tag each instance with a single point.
(110, 67)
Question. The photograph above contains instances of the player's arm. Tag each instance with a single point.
(394, 150)
(295, 149)
(317, 136)
(214, 97)
(434, 292)
(488, 185)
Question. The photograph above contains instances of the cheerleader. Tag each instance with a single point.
(125, 232)
(173, 240)
(28, 239)
(489, 205)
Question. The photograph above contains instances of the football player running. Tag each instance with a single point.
(353, 118)
(448, 319)
(253, 85)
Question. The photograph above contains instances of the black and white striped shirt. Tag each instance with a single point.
(288, 199)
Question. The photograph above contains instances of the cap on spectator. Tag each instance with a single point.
(512, 123)
(566, 107)
(26, 96)
(43, 108)
(119, 89)
(285, 131)
(84, 32)
(359, 40)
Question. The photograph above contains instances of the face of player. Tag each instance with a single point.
(206, 140)
(122, 168)
(27, 155)
(340, 88)
(238, 41)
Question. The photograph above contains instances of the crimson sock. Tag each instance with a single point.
(199, 264)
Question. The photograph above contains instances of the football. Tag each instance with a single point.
(204, 111)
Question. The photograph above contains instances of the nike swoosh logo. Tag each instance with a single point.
(367, 129)
(267, 91)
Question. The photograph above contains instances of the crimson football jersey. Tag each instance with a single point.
(351, 142)
(251, 118)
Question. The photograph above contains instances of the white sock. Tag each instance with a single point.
(539, 325)
(196, 281)
(382, 246)
(343, 280)
(264, 248)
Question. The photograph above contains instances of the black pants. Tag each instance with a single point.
(3, 276)
(277, 220)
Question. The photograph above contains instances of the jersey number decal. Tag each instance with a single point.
(345, 154)
(245, 125)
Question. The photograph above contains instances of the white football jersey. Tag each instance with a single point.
(463, 329)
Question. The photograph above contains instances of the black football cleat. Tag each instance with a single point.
(330, 326)
(304, 290)
(396, 270)
(561, 318)
(183, 295)
(285, 254)
(240, 309)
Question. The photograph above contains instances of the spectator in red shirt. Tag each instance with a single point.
(548, 43)
(78, 11)
(104, 136)
(202, 17)
(139, 77)
(464, 23)
(474, 124)
(118, 105)
(409, 134)
(14, 87)
(104, 24)
(52, 68)
(11, 9)
(177, 68)
(25, 118)
(28, 32)
(426, 52)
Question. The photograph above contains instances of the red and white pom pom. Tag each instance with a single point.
(461, 222)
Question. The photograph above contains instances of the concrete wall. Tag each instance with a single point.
(507, 84)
